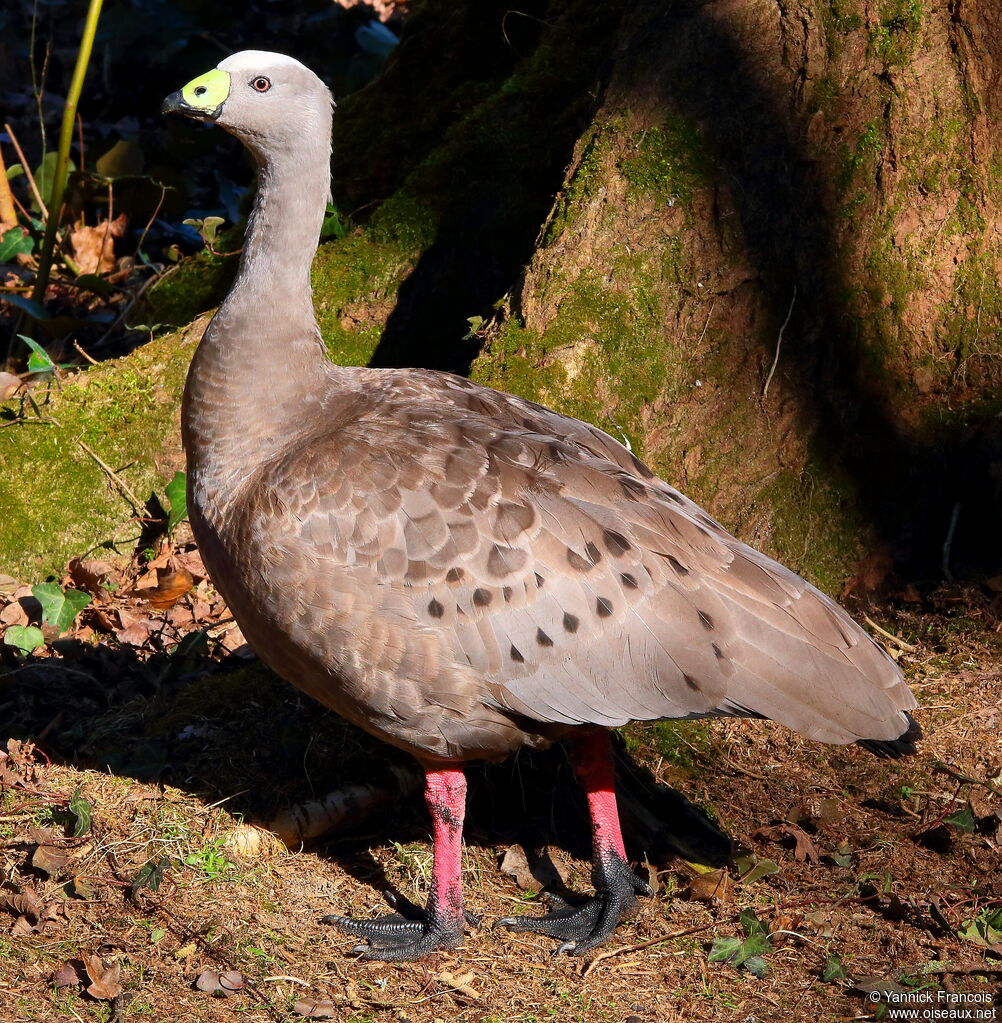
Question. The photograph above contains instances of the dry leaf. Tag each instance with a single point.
(223, 984)
(67, 976)
(804, 848)
(104, 979)
(91, 575)
(171, 586)
(94, 247)
(191, 561)
(315, 1008)
(51, 859)
(534, 877)
(9, 385)
(460, 983)
(14, 614)
(710, 886)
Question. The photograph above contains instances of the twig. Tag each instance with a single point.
(963, 971)
(948, 543)
(779, 341)
(609, 953)
(27, 170)
(137, 505)
(93, 362)
(907, 647)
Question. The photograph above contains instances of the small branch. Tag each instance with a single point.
(907, 647)
(93, 362)
(779, 341)
(32, 184)
(137, 505)
(609, 953)
(948, 543)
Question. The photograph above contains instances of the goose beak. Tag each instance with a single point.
(202, 98)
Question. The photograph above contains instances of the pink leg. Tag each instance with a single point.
(582, 927)
(592, 757)
(393, 938)
(445, 794)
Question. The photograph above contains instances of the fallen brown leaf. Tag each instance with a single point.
(804, 849)
(461, 983)
(104, 979)
(66, 976)
(91, 575)
(94, 247)
(315, 1008)
(51, 859)
(9, 384)
(171, 586)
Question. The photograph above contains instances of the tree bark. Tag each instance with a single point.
(758, 240)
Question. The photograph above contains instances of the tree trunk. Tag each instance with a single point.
(759, 241)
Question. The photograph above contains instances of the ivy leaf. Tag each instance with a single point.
(753, 925)
(150, 876)
(45, 174)
(15, 243)
(723, 950)
(756, 966)
(24, 638)
(59, 607)
(81, 809)
(177, 501)
(834, 970)
(333, 226)
(962, 820)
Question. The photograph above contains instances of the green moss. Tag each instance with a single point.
(586, 179)
(895, 35)
(685, 745)
(55, 502)
(405, 220)
(815, 525)
(603, 357)
(197, 284)
(355, 283)
(862, 155)
(669, 162)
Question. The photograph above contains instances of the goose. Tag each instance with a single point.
(464, 573)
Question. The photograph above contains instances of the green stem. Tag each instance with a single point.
(63, 153)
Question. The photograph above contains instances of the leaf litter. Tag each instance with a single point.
(829, 880)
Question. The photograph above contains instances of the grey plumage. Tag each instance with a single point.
(463, 572)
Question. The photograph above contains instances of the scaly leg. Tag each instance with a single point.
(581, 928)
(392, 938)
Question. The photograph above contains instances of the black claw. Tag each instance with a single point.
(396, 938)
(582, 927)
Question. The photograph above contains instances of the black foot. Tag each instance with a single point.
(396, 938)
(582, 928)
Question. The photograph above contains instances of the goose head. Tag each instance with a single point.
(268, 100)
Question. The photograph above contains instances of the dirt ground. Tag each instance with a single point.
(863, 873)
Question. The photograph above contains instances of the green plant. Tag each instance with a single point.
(23, 638)
(208, 228)
(744, 952)
(59, 607)
(211, 859)
(60, 167)
(177, 501)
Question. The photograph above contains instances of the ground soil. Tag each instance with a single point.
(881, 864)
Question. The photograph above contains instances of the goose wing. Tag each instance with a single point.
(566, 586)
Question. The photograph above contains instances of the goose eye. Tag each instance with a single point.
(261, 84)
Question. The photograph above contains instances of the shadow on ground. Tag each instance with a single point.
(232, 731)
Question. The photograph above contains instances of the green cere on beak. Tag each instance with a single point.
(202, 97)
